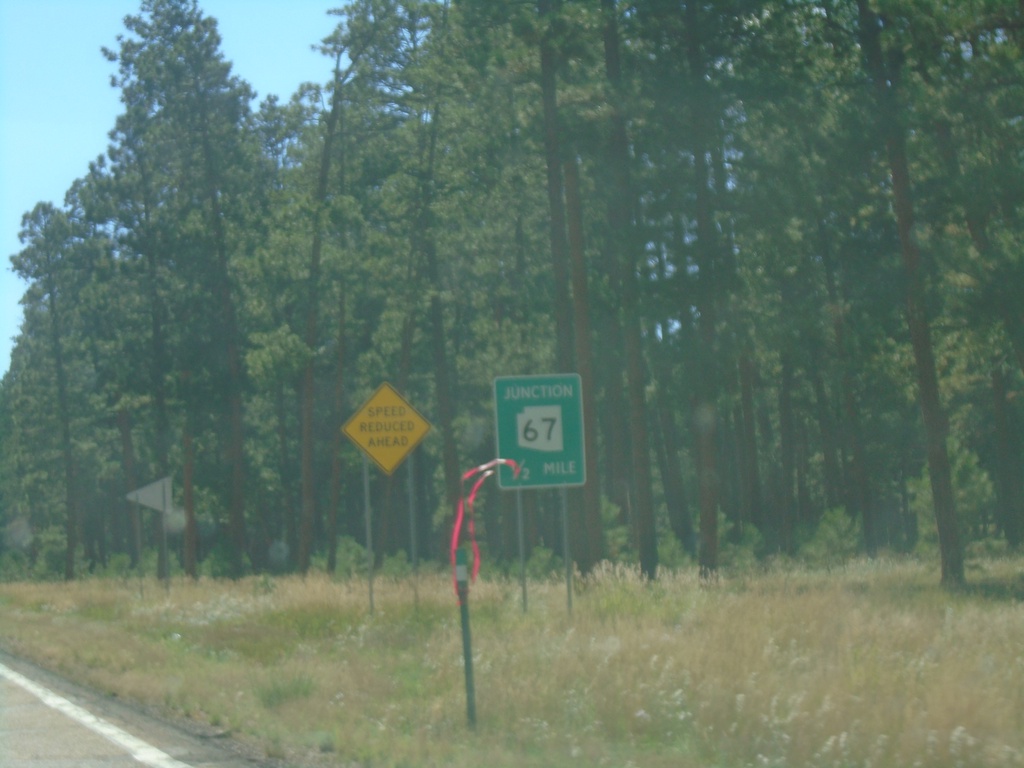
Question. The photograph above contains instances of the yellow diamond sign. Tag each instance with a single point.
(386, 427)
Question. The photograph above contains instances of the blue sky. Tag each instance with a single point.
(57, 105)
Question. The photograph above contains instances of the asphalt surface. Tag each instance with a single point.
(46, 722)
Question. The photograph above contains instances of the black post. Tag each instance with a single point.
(522, 544)
(462, 585)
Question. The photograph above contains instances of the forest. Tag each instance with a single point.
(780, 241)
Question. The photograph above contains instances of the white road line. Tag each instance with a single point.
(137, 748)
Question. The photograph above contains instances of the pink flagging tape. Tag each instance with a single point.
(466, 504)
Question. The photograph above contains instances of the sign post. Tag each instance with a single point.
(157, 495)
(539, 424)
(386, 428)
(462, 589)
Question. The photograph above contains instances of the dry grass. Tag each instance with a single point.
(869, 665)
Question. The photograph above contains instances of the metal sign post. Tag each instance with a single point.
(568, 550)
(462, 589)
(462, 573)
(386, 428)
(369, 527)
(412, 534)
(522, 545)
(157, 495)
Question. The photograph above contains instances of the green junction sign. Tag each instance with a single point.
(539, 424)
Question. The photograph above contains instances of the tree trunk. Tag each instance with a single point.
(750, 471)
(935, 424)
(445, 400)
(856, 488)
(337, 438)
(614, 415)
(643, 512)
(704, 426)
(191, 553)
(221, 289)
(64, 416)
(424, 243)
(679, 516)
(621, 207)
(393, 506)
(159, 363)
(311, 340)
(587, 517)
(827, 429)
(556, 203)
(705, 414)
(787, 451)
(286, 528)
(124, 427)
(1009, 490)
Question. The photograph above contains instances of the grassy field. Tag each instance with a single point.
(871, 664)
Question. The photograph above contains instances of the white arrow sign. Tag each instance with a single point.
(155, 495)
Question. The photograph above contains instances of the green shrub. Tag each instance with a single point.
(396, 566)
(217, 564)
(350, 559)
(975, 498)
(50, 553)
(835, 541)
(542, 563)
(282, 690)
(671, 553)
(15, 566)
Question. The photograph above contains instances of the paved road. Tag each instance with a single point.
(48, 723)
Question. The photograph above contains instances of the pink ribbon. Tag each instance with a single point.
(484, 471)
